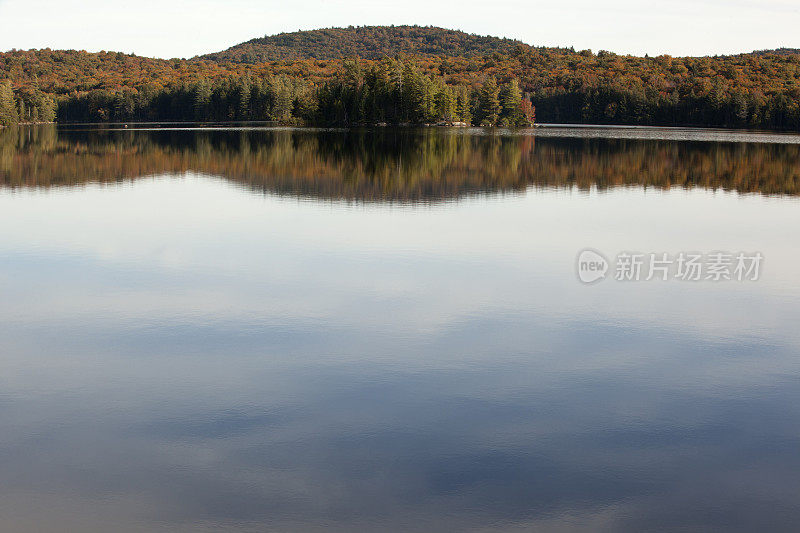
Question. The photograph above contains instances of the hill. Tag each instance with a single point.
(756, 90)
(367, 42)
(779, 52)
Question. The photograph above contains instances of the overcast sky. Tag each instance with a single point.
(185, 28)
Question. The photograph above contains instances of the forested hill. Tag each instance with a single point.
(779, 52)
(492, 85)
(366, 42)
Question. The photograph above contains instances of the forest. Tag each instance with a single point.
(366, 42)
(403, 75)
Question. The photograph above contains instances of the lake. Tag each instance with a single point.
(282, 329)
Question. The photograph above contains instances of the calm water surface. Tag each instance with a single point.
(300, 330)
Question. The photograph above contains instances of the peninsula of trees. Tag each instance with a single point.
(403, 75)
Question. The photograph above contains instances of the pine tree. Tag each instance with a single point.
(8, 109)
(428, 100)
(489, 104)
(202, 100)
(47, 108)
(413, 95)
(444, 102)
(283, 99)
(245, 89)
(510, 100)
(464, 105)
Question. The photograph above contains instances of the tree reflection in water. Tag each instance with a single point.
(390, 165)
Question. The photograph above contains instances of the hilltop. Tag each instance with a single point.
(367, 42)
(779, 52)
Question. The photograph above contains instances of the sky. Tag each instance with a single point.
(185, 28)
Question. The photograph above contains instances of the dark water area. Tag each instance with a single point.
(383, 330)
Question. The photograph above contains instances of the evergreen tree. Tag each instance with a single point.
(282, 100)
(124, 105)
(413, 95)
(8, 109)
(244, 93)
(510, 100)
(464, 105)
(489, 104)
(428, 102)
(47, 108)
(444, 103)
(202, 100)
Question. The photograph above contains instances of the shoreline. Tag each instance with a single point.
(608, 131)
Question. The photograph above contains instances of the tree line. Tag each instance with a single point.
(396, 92)
(387, 92)
(25, 106)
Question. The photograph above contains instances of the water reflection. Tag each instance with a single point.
(179, 354)
(397, 165)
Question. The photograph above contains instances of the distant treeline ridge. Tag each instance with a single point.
(418, 81)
